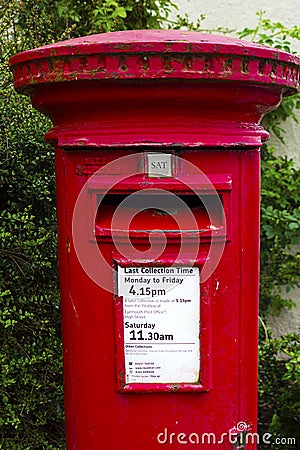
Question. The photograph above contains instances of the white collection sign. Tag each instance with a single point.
(161, 314)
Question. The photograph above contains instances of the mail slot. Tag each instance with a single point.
(157, 138)
(163, 214)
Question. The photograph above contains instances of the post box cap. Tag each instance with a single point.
(156, 54)
(155, 87)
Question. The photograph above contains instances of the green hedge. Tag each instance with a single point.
(31, 413)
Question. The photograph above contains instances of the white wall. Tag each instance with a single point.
(236, 15)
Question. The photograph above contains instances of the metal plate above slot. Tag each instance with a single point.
(159, 165)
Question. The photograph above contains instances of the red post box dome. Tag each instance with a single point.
(126, 81)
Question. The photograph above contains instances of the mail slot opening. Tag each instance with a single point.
(175, 215)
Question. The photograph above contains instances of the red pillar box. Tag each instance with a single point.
(157, 141)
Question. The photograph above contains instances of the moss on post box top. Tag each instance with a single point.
(156, 54)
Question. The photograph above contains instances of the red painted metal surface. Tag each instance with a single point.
(199, 98)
